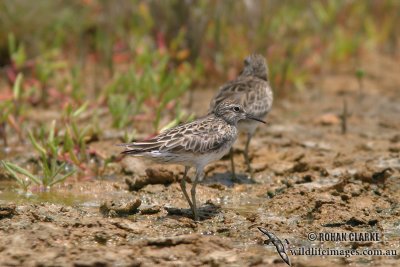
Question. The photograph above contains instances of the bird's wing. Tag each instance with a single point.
(258, 101)
(197, 137)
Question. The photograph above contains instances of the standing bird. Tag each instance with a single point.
(195, 144)
(252, 89)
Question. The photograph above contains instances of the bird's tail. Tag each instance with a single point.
(138, 148)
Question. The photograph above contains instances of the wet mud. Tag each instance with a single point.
(309, 178)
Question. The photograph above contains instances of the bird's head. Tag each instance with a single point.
(231, 111)
(255, 65)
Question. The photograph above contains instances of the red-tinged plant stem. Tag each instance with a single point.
(3, 133)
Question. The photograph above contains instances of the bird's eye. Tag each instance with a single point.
(236, 109)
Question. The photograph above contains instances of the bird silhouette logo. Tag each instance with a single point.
(280, 247)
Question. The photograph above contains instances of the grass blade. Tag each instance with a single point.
(52, 130)
(11, 171)
(36, 145)
(58, 170)
(62, 178)
(80, 110)
(17, 86)
(22, 171)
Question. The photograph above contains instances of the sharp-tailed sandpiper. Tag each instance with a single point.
(252, 89)
(195, 144)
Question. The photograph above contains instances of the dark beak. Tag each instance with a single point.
(251, 117)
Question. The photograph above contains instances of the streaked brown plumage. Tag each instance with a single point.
(194, 144)
(253, 91)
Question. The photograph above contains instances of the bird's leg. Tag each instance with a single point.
(183, 187)
(193, 192)
(231, 154)
(246, 155)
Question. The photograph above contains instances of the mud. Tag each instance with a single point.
(310, 178)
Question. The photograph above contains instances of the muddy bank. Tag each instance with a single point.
(310, 178)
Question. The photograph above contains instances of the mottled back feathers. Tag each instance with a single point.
(253, 93)
(199, 136)
(204, 135)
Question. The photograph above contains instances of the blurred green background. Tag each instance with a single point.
(125, 53)
(299, 38)
(104, 66)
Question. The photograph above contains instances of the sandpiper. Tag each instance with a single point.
(252, 89)
(195, 144)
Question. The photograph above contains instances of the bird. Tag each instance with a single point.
(254, 92)
(194, 144)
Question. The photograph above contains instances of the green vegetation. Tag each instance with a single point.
(103, 65)
(51, 174)
(11, 109)
(148, 79)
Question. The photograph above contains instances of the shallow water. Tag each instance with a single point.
(9, 192)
